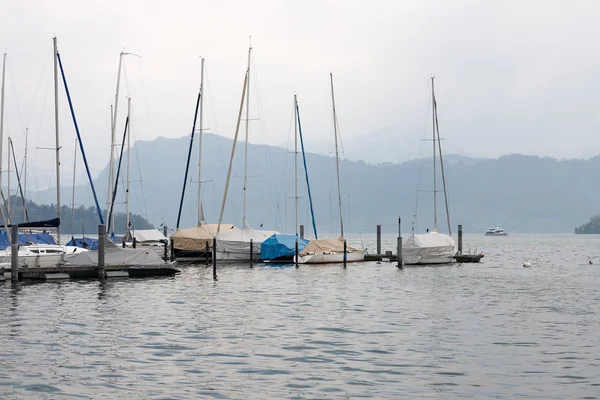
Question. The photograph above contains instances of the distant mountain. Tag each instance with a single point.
(519, 193)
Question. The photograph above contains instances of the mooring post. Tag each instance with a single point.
(101, 242)
(378, 239)
(166, 242)
(123, 243)
(345, 253)
(206, 253)
(400, 260)
(302, 231)
(172, 249)
(214, 257)
(251, 251)
(14, 253)
(296, 253)
(134, 243)
(459, 239)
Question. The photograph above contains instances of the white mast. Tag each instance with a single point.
(434, 174)
(113, 127)
(296, 161)
(200, 213)
(245, 221)
(57, 138)
(337, 159)
(25, 177)
(2, 115)
(8, 175)
(128, 165)
(73, 196)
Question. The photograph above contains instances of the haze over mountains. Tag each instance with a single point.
(520, 193)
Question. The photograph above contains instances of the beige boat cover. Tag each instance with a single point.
(194, 239)
(324, 246)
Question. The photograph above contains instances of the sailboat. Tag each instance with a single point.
(196, 241)
(432, 247)
(239, 245)
(325, 251)
(44, 254)
(282, 248)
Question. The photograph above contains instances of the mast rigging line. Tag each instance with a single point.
(114, 194)
(12, 148)
(87, 168)
(187, 165)
(312, 213)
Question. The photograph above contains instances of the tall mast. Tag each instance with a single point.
(8, 176)
(113, 127)
(200, 213)
(25, 176)
(2, 115)
(437, 128)
(434, 174)
(296, 161)
(73, 196)
(245, 221)
(56, 128)
(128, 165)
(337, 158)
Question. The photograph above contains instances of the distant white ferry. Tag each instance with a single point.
(495, 232)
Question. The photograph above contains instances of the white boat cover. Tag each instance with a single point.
(237, 241)
(325, 246)
(195, 238)
(428, 247)
(145, 235)
(116, 256)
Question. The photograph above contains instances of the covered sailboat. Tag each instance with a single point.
(237, 244)
(325, 251)
(193, 242)
(281, 247)
(432, 247)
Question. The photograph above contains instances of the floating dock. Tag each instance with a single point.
(83, 272)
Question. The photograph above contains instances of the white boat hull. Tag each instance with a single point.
(427, 260)
(233, 257)
(35, 261)
(331, 258)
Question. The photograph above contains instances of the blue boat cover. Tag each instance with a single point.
(279, 245)
(90, 244)
(24, 238)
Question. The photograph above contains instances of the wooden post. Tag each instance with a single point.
(172, 249)
(166, 243)
(296, 253)
(123, 242)
(302, 231)
(206, 252)
(459, 239)
(14, 253)
(345, 253)
(251, 251)
(214, 257)
(101, 242)
(400, 260)
(378, 239)
(134, 242)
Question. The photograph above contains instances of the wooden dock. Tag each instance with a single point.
(83, 272)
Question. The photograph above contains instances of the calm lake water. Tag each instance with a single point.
(489, 330)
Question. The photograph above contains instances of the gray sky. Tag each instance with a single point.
(511, 76)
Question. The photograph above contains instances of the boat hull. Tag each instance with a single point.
(331, 258)
(427, 260)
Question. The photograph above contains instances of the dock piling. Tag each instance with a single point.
(101, 243)
(302, 231)
(378, 239)
(399, 244)
(251, 251)
(296, 253)
(134, 243)
(214, 257)
(459, 239)
(345, 253)
(14, 253)
(172, 250)
(166, 242)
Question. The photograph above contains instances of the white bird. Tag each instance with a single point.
(526, 264)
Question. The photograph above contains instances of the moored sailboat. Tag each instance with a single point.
(325, 251)
(432, 247)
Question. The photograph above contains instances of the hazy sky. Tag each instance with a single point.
(511, 76)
